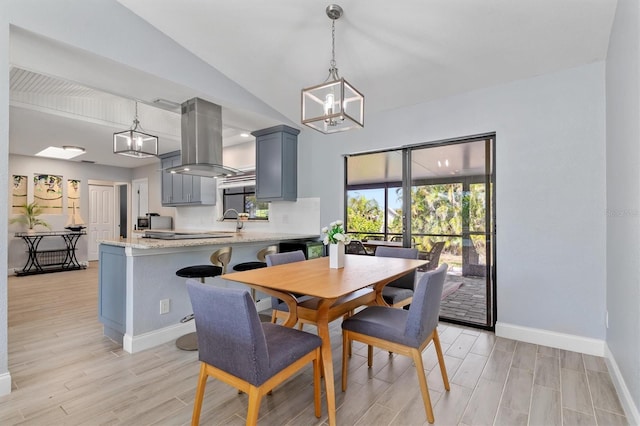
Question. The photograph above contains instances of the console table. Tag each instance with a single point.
(50, 260)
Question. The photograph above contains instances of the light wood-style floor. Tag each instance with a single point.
(65, 372)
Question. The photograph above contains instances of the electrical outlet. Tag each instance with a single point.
(165, 306)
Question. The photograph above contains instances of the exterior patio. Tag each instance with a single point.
(468, 302)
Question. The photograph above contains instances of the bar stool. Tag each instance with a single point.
(189, 342)
(219, 259)
(261, 263)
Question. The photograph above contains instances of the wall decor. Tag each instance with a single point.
(18, 193)
(73, 195)
(47, 193)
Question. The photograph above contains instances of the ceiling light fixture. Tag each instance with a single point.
(335, 105)
(63, 153)
(134, 142)
(73, 148)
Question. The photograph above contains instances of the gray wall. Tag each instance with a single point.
(549, 185)
(623, 194)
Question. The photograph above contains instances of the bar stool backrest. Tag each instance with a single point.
(221, 257)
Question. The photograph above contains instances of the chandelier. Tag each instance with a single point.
(134, 142)
(335, 105)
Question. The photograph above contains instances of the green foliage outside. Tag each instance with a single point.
(436, 209)
(364, 217)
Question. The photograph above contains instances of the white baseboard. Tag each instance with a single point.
(630, 409)
(569, 342)
(5, 384)
(133, 344)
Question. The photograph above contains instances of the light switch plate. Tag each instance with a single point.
(165, 306)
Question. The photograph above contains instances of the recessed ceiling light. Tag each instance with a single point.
(244, 135)
(61, 153)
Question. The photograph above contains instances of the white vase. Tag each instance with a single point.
(336, 256)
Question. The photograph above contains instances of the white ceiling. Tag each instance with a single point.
(397, 53)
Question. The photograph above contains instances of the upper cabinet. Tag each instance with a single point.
(277, 163)
(180, 190)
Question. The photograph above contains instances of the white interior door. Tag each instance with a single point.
(101, 217)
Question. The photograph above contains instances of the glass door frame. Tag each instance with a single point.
(490, 227)
(490, 219)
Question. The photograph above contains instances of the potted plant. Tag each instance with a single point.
(336, 237)
(30, 217)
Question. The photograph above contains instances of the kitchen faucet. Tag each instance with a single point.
(239, 223)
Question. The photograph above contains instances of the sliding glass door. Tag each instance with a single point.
(451, 193)
(447, 214)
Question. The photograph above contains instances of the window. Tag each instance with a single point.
(366, 207)
(243, 199)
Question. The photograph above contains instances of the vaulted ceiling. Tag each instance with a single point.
(397, 53)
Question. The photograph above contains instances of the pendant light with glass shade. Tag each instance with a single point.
(134, 142)
(335, 105)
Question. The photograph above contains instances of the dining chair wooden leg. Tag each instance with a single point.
(370, 356)
(300, 325)
(273, 316)
(422, 379)
(254, 406)
(345, 340)
(197, 404)
(317, 366)
(443, 368)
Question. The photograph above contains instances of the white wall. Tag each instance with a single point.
(28, 166)
(153, 173)
(623, 201)
(549, 186)
(240, 156)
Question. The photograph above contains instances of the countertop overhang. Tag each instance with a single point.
(138, 242)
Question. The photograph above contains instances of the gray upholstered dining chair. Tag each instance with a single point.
(401, 331)
(237, 349)
(356, 247)
(399, 293)
(433, 256)
(279, 309)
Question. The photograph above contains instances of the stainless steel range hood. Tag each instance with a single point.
(202, 140)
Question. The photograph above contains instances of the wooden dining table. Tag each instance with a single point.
(315, 278)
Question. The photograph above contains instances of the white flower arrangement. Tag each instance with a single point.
(335, 233)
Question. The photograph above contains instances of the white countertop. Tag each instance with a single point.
(135, 241)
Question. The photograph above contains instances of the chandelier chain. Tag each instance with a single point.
(333, 44)
(136, 122)
(333, 71)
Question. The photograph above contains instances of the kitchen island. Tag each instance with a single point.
(136, 274)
